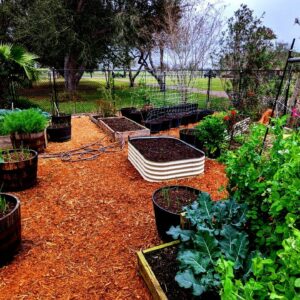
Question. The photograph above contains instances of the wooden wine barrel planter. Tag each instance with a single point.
(20, 175)
(34, 141)
(10, 230)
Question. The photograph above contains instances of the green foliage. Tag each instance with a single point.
(276, 278)
(3, 204)
(25, 121)
(269, 184)
(217, 232)
(212, 133)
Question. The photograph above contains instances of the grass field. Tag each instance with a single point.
(92, 89)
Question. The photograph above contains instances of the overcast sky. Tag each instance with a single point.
(279, 16)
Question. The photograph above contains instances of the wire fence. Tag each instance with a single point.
(216, 89)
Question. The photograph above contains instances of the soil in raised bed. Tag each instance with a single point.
(165, 149)
(121, 124)
(175, 199)
(165, 266)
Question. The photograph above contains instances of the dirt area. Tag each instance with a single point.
(165, 150)
(84, 221)
(121, 124)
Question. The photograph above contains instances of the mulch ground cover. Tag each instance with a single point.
(84, 221)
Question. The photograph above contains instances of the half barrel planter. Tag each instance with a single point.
(35, 141)
(19, 175)
(60, 129)
(160, 171)
(10, 229)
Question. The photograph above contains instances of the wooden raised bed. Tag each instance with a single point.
(120, 127)
(148, 275)
(164, 158)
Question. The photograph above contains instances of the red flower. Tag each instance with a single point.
(233, 112)
(226, 118)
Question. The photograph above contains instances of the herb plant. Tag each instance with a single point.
(25, 121)
(218, 230)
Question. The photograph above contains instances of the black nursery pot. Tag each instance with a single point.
(190, 136)
(154, 126)
(60, 129)
(203, 113)
(165, 218)
(126, 111)
(10, 229)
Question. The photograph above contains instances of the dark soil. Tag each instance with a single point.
(174, 199)
(59, 125)
(165, 266)
(164, 149)
(121, 124)
(9, 207)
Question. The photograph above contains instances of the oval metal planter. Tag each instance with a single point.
(160, 171)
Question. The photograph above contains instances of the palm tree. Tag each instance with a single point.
(16, 65)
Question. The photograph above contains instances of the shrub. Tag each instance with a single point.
(211, 133)
(25, 121)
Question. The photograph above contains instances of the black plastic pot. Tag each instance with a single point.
(164, 218)
(125, 111)
(10, 230)
(165, 123)
(59, 133)
(153, 125)
(193, 117)
(185, 120)
(60, 128)
(175, 122)
(19, 175)
(190, 136)
(203, 113)
(135, 116)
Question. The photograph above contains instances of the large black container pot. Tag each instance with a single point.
(136, 116)
(19, 175)
(60, 129)
(193, 117)
(153, 125)
(203, 113)
(165, 123)
(190, 136)
(185, 120)
(165, 218)
(126, 111)
(10, 229)
(175, 122)
(61, 119)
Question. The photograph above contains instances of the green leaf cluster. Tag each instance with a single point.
(277, 278)
(25, 121)
(211, 133)
(218, 230)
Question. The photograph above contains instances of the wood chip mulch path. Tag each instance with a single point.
(84, 221)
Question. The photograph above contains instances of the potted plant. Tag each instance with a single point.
(10, 226)
(18, 169)
(190, 269)
(168, 203)
(59, 129)
(27, 129)
(211, 133)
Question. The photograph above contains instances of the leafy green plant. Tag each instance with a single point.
(3, 205)
(277, 278)
(218, 230)
(211, 133)
(25, 121)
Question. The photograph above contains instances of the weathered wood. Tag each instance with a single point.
(34, 141)
(10, 229)
(147, 273)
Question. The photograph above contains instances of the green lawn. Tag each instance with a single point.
(92, 89)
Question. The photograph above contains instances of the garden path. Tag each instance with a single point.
(83, 223)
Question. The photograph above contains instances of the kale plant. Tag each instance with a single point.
(218, 231)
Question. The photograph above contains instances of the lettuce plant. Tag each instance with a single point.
(218, 230)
